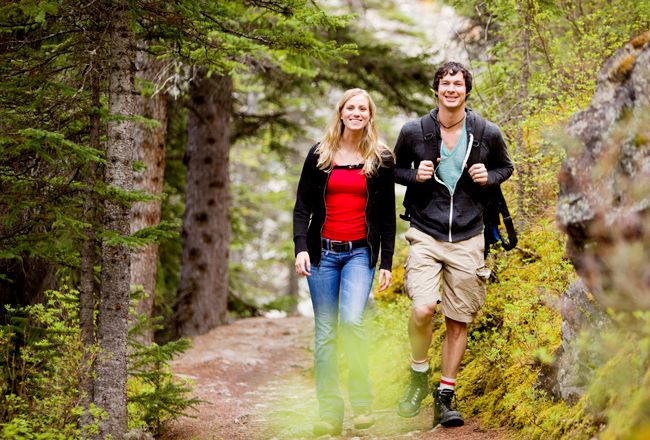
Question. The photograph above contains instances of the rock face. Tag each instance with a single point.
(568, 377)
(603, 208)
(605, 183)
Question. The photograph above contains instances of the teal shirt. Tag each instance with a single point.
(450, 167)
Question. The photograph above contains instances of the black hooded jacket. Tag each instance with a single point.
(432, 208)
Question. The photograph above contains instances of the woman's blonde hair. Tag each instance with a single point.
(372, 148)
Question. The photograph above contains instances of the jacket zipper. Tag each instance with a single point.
(470, 144)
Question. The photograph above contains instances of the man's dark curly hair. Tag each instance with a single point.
(452, 68)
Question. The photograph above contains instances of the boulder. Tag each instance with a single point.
(603, 208)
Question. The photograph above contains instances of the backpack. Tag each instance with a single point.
(494, 203)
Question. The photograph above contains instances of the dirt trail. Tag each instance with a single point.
(255, 376)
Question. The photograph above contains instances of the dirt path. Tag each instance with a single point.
(255, 376)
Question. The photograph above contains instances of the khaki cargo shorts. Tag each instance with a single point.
(459, 267)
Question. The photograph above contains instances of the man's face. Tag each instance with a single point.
(451, 91)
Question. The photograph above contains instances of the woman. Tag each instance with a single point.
(343, 220)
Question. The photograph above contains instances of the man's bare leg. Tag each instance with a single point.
(453, 347)
(420, 330)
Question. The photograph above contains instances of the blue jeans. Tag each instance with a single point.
(339, 289)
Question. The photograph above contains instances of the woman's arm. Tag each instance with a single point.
(302, 209)
(387, 213)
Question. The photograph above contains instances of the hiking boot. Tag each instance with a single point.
(443, 411)
(363, 420)
(327, 427)
(418, 388)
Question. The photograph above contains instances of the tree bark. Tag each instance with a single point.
(89, 257)
(203, 289)
(112, 321)
(150, 150)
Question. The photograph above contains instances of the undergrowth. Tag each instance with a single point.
(514, 335)
(41, 366)
(513, 338)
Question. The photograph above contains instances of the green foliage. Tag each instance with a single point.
(42, 365)
(538, 66)
(40, 370)
(509, 342)
(389, 349)
(225, 35)
(155, 395)
(44, 147)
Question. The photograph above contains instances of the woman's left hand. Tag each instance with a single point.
(384, 279)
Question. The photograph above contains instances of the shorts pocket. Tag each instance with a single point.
(483, 273)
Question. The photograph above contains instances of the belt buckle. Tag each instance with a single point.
(340, 246)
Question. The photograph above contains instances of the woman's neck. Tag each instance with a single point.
(350, 140)
(348, 152)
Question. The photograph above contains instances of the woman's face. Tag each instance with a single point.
(355, 113)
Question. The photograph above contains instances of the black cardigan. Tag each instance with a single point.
(309, 211)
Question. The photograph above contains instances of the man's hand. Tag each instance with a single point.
(303, 265)
(384, 279)
(425, 171)
(479, 174)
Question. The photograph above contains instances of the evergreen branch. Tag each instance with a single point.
(247, 124)
(234, 32)
(26, 42)
(278, 7)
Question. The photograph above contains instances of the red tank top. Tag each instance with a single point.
(345, 201)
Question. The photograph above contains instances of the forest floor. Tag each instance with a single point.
(256, 380)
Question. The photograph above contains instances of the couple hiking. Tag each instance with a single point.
(344, 224)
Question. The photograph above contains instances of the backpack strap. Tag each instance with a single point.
(429, 131)
(511, 242)
(496, 209)
(477, 130)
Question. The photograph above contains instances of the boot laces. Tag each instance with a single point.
(416, 389)
(446, 397)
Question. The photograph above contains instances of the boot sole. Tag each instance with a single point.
(321, 429)
(408, 415)
(453, 422)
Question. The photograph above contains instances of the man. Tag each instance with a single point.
(446, 172)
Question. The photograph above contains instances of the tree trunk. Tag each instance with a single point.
(203, 289)
(150, 150)
(112, 321)
(89, 257)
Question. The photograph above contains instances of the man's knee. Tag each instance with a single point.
(455, 329)
(422, 315)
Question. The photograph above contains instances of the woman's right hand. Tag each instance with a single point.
(303, 265)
